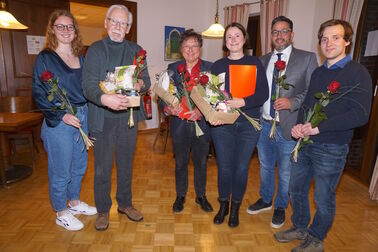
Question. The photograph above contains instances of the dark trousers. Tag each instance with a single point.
(182, 144)
(119, 138)
(234, 145)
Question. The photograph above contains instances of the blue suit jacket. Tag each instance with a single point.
(177, 124)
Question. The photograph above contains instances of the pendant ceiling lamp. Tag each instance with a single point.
(7, 20)
(215, 30)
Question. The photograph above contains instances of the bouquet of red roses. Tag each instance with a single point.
(221, 96)
(61, 95)
(186, 91)
(139, 63)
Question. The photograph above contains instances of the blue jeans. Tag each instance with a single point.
(67, 160)
(234, 145)
(271, 151)
(324, 163)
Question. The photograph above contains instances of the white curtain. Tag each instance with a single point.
(237, 13)
(349, 10)
(269, 10)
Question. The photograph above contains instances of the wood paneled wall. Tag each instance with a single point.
(16, 65)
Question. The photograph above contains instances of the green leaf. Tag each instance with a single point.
(50, 97)
(318, 95)
(285, 86)
(213, 99)
(318, 118)
(317, 108)
(121, 72)
(74, 110)
(215, 79)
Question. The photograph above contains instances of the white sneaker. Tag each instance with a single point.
(82, 208)
(68, 221)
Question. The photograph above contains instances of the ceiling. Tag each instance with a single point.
(88, 15)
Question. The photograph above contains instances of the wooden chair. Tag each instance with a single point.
(21, 104)
(163, 130)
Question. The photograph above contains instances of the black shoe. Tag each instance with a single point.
(178, 206)
(223, 211)
(278, 218)
(233, 221)
(259, 206)
(204, 203)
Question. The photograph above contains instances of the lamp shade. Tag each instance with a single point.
(8, 21)
(215, 31)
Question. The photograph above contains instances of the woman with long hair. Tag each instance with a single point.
(67, 155)
(234, 143)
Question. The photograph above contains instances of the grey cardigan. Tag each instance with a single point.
(95, 69)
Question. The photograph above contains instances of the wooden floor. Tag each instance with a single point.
(27, 222)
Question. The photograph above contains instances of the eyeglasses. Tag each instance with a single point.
(61, 27)
(114, 22)
(187, 48)
(283, 32)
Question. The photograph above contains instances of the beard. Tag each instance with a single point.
(116, 36)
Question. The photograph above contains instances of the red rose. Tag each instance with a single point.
(181, 68)
(142, 53)
(280, 65)
(47, 75)
(334, 87)
(204, 79)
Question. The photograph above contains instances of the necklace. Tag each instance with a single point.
(69, 58)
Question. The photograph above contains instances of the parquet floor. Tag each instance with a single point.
(27, 222)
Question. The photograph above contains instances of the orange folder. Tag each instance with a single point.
(242, 80)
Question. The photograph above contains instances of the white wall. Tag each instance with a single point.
(307, 15)
(213, 47)
(152, 17)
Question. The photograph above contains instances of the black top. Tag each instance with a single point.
(255, 101)
(344, 114)
(68, 78)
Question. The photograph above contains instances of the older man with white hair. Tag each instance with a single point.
(108, 115)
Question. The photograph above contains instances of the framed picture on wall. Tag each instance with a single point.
(172, 42)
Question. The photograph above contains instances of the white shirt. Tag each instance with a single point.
(269, 75)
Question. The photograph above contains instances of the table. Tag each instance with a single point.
(13, 122)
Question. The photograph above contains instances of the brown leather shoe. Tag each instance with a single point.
(131, 213)
(102, 221)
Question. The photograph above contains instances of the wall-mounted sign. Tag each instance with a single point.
(35, 43)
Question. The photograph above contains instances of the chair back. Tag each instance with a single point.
(16, 104)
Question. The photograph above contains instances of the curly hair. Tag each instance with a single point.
(190, 33)
(51, 40)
